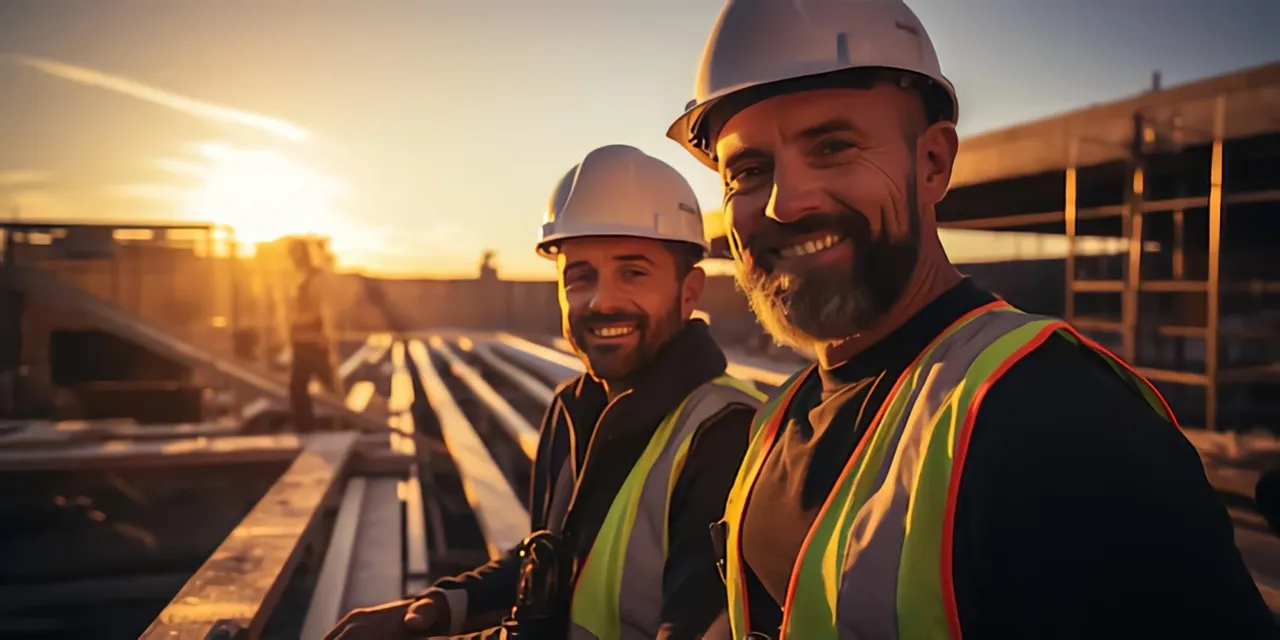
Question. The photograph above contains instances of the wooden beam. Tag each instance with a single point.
(243, 579)
(331, 584)
(377, 572)
(51, 433)
(417, 564)
(502, 516)
(517, 376)
(519, 429)
(1041, 145)
(122, 453)
(371, 352)
(360, 395)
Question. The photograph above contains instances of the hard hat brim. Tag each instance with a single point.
(547, 246)
(682, 131)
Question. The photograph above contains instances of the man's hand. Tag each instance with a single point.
(393, 621)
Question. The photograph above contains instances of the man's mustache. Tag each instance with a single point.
(770, 236)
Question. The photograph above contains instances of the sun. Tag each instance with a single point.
(263, 195)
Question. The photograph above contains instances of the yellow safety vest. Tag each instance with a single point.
(631, 547)
(893, 577)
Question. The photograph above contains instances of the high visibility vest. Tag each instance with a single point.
(618, 592)
(877, 560)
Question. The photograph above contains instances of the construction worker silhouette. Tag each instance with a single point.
(309, 337)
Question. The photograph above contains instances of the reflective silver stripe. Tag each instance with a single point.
(640, 603)
(867, 600)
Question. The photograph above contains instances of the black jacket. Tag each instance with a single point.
(577, 430)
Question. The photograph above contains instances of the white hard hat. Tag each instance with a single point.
(618, 190)
(758, 42)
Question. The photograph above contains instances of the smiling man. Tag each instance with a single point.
(952, 466)
(636, 458)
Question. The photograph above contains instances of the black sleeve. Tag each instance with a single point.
(1084, 514)
(490, 587)
(693, 595)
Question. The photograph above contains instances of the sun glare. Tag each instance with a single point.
(263, 195)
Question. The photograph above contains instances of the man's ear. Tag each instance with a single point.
(564, 302)
(691, 290)
(936, 151)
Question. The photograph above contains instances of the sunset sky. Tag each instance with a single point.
(419, 133)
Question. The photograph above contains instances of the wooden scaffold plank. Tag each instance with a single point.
(243, 579)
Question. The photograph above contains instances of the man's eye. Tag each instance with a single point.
(832, 147)
(738, 176)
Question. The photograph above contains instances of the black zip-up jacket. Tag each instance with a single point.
(693, 594)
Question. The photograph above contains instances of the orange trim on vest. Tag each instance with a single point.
(771, 435)
(1128, 367)
(962, 448)
(946, 568)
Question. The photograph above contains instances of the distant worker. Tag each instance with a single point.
(636, 458)
(952, 466)
(488, 272)
(309, 336)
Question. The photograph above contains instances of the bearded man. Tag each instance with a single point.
(952, 466)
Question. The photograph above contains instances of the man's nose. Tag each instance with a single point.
(794, 195)
(607, 299)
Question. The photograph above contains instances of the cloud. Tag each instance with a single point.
(192, 106)
(23, 177)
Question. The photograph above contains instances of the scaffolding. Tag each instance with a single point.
(1136, 209)
(1189, 310)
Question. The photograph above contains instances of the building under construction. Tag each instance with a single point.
(1188, 177)
(164, 495)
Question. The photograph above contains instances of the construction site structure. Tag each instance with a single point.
(147, 512)
(181, 276)
(1186, 175)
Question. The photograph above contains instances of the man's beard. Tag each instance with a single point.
(823, 306)
(616, 362)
